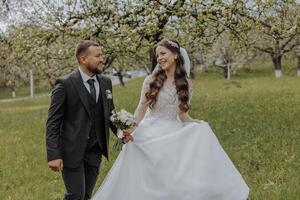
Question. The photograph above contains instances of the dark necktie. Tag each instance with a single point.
(92, 88)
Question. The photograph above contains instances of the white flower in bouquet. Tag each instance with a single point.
(123, 119)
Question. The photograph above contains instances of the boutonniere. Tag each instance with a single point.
(108, 94)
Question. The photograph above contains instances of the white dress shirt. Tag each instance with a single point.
(85, 78)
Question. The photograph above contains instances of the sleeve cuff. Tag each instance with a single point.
(120, 134)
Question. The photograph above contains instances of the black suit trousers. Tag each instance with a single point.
(80, 181)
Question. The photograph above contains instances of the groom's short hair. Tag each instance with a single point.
(83, 46)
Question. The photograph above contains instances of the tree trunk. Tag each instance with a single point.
(277, 65)
(50, 80)
(228, 67)
(120, 76)
(203, 68)
(13, 92)
(147, 70)
(276, 58)
(298, 71)
(277, 62)
(153, 60)
(225, 71)
(31, 83)
(227, 74)
(109, 60)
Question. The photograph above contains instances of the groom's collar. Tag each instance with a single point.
(85, 77)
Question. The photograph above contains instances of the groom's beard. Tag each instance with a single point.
(97, 70)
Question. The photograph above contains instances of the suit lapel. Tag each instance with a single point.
(79, 85)
(103, 96)
(102, 88)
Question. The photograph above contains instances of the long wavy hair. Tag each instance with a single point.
(180, 76)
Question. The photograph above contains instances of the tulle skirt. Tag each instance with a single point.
(171, 160)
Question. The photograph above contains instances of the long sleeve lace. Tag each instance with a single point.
(142, 106)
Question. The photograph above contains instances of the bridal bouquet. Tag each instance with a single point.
(123, 119)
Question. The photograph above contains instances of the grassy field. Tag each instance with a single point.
(256, 118)
(6, 93)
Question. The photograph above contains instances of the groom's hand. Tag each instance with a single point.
(56, 165)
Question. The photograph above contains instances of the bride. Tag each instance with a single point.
(172, 156)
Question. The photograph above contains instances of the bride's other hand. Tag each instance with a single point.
(198, 121)
(127, 137)
(185, 117)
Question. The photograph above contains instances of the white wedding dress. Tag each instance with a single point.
(172, 160)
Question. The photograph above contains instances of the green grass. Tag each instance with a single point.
(256, 118)
(24, 91)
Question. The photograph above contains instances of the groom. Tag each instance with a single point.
(77, 129)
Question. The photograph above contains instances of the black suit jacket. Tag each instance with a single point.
(69, 119)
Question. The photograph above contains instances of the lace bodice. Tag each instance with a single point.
(167, 103)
